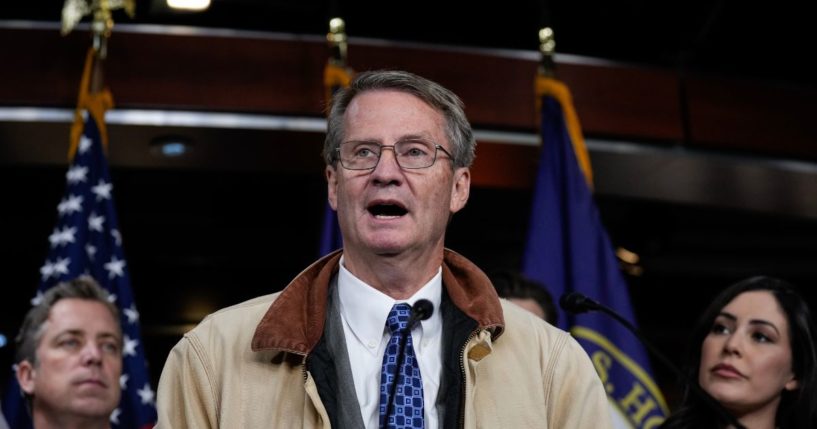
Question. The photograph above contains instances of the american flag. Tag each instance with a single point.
(86, 240)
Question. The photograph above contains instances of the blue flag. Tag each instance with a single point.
(569, 250)
(330, 232)
(335, 76)
(86, 240)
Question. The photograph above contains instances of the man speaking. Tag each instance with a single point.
(344, 344)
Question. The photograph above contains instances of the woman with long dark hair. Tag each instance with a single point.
(753, 351)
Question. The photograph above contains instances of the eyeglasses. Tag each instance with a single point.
(409, 154)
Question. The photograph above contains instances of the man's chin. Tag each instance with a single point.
(95, 403)
(94, 409)
(386, 247)
(388, 251)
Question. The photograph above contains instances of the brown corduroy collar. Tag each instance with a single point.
(294, 322)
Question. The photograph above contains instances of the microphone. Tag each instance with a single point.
(421, 310)
(577, 303)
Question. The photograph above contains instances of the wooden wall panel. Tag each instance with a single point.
(624, 101)
(41, 68)
(218, 73)
(500, 165)
(753, 117)
(282, 75)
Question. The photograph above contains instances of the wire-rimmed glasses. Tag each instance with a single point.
(409, 154)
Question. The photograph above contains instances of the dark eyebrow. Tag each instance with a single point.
(423, 137)
(729, 316)
(751, 322)
(79, 332)
(372, 141)
(109, 335)
(764, 323)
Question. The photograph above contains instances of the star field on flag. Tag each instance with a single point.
(86, 240)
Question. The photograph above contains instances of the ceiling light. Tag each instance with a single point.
(170, 146)
(190, 5)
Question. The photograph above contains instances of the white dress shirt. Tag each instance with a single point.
(364, 311)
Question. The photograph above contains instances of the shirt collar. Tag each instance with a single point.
(366, 309)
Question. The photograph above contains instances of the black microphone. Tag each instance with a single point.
(421, 310)
(577, 303)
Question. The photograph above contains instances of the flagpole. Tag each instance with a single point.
(101, 33)
(93, 96)
(547, 85)
(336, 75)
(547, 48)
(337, 41)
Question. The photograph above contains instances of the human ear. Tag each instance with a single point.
(460, 189)
(332, 186)
(26, 374)
(791, 385)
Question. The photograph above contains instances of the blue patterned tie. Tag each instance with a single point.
(407, 411)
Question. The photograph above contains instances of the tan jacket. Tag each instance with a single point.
(243, 366)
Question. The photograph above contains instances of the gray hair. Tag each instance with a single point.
(83, 287)
(458, 130)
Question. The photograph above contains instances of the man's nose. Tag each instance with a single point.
(92, 354)
(388, 169)
(393, 155)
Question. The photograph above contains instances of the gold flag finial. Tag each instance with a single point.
(74, 10)
(337, 41)
(547, 47)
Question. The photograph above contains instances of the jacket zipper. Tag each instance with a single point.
(462, 371)
(303, 368)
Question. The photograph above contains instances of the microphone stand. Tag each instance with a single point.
(589, 305)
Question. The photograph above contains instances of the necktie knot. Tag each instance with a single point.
(398, 318)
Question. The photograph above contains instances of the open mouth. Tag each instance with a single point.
(387, 210)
